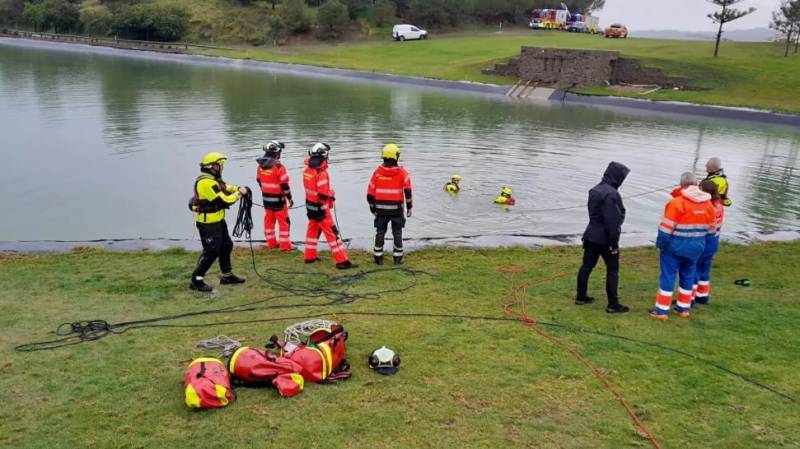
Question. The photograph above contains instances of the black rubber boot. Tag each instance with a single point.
(378, 260)
(584, 301)
(310, 261)
(346, 265)
(398, 260)
(230, 279)
(199, 285)
(617, 308)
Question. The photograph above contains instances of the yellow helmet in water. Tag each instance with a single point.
(455, 178)
(506, 192)
(391, 151)
(214, 157)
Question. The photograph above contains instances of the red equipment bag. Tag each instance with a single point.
(207, 384)
(257, 367)
(289, 385)
(324, 356)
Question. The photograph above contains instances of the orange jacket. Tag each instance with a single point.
(274, 183)
(387, 190)
(688, 220)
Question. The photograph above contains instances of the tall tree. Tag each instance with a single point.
(728, 14)
(786, 20)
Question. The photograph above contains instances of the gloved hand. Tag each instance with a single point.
(291, 203)
(408, 213)
(243, 190)
(614, 251)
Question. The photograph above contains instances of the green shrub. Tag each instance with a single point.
(151, 22)
(60, 16)
(276, 30)
(97, 21)
(297, 16)
(383, 13)
(332, 19)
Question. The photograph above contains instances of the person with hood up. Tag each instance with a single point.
(702, 286)
(601, 238)
(717, 174)
(276, 195)
(319, 201)
(682, 233)
(687, 179)
(388, 189)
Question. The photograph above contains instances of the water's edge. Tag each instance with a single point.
(669, 107)
(629, 240)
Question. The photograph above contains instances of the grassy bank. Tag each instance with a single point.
(462, 383)
(752, 75)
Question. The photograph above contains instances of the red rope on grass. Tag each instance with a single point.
(516, 298)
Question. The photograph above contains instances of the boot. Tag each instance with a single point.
(583, 301)
(230, 279)
(378, 260)
(617, 308)
(346, 265)
(197, 284)
(398, 260)
(659, 314)
(310, 261)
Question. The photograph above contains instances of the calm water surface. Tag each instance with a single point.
(99, 146)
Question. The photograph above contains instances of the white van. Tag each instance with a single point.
(408, 32)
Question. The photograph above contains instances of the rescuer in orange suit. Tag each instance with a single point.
(276, 195)
(388, 189)
(319, 201)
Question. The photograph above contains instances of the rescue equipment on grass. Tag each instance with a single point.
(384, 361)
(318, 355)
(207, 384)
(506, 197)
(742, 282)
(452, 187)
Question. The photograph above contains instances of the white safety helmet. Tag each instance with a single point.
(320, 149)
(384, 361)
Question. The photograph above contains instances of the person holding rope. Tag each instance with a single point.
(211, 197)
(276, 195)
(601, 238)
(319, 201)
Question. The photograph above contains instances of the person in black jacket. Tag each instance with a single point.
(601, 239)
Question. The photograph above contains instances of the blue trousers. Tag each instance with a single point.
(673, 265)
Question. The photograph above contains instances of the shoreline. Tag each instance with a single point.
(489, 241)
(547, 96)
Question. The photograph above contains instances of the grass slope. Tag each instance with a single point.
(475, 384)
(746, 74)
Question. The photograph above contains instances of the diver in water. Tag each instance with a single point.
(506, 197)
(452, 186)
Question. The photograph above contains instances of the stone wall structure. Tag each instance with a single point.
(579, 68)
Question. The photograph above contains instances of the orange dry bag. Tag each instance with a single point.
(207, 384)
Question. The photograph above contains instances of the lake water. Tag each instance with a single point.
(101, 146)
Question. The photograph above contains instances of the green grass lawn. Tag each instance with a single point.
(463, 383)
(746, 74)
